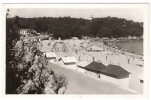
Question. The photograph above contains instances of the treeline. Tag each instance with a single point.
(66, 27)
(27, 69)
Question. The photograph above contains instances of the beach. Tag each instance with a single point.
(112, 58)
(138, 56)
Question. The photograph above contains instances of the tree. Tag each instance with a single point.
(59, 81)
(11, 38)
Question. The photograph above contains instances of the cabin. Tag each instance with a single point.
(68, 62)
(94, 49)
(24, 31)
(93, 69)
(74, 38)
(51, 56)
(81, 66)
(115, 74)
(28, 32)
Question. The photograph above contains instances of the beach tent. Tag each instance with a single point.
(115, 74)
(68, 62)
(59, 46)
(51, 56)
(93, 69)
(94, 49)
(81, 66)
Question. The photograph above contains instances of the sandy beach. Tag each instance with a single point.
(106, 57)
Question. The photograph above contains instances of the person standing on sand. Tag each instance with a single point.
(79, 58)
(128, 60)
(93, 59)
(106, 57)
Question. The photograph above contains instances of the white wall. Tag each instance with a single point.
(121, 82)
(108, 79)
(80, 70)
(52, 60)
(72, 66)
(91, 74)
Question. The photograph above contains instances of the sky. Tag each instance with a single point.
(131, 14)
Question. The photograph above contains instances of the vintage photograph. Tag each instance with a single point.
(75, 49)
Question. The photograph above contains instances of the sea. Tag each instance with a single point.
(137, 46)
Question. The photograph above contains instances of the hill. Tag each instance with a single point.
(67, 27)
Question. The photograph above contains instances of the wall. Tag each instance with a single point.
(90, 73)
(124, 82)
(108, 79)
(72, 66)
(80, 70)
(68, 66)
(53, 59)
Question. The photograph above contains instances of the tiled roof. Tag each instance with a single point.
(114, 70)
(95, 66)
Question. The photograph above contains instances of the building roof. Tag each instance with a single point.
(68, 59)
(95, 66)
(114, 70)
(50, 54)
(83, 63)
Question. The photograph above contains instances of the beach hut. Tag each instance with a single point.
(93, 69)
(68, 62)
(51, 56)
(59, 46)
(74, 38)
(81, 66)
(94, 49)
(115, 74)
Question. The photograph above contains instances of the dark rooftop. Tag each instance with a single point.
(115, 70)
(95, 66)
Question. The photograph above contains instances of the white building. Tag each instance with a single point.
(24, 31)
(68, 62)
(115, 74)
(81, 66)
(51, 56)
(93, 69)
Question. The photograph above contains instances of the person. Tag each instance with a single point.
(79, 58)
(128, 60)
(93, 58)
(106, 57)
(49, 39)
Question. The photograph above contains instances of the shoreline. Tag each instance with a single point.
(100, 44)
